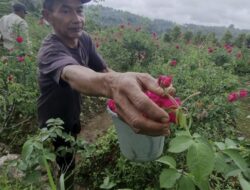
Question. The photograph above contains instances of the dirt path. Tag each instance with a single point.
(96, 127)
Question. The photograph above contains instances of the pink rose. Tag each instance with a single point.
(172, 117)
(19, 39)
(111, 105)
(173, 62)
(20, 58)
(165, 81)
(232, 97)
(170, 103)
(243, 93)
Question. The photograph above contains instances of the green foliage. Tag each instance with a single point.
(104, 162)
(203, 160)
(5, 7)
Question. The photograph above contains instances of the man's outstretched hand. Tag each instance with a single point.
(134, 107)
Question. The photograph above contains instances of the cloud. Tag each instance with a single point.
(212, 12)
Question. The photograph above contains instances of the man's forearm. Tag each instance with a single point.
(87, 81)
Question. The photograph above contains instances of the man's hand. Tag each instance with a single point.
(144, 116)
(128, 92)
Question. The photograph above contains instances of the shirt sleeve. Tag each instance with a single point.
(52, 63)
(96, 62)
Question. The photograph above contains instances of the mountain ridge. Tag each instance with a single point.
(106, 17)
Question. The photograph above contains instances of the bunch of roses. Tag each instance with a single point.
(234, 96)
(167, 102)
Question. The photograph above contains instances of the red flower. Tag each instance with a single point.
(10, 78)
(165, 81)
(173, 62)
(232, 97)
(155, 98)
(172, 117)
(210, 50)
(171, 103)
(177, 46)
(20, 58)
(19, 39)
(243, 93)
(111, 105)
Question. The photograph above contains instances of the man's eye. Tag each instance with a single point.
(65, 11)
(80, 11)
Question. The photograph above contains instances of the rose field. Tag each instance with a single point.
(209, 145)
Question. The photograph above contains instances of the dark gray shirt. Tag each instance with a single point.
(57, 98)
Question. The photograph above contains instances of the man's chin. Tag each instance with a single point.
(76, 34)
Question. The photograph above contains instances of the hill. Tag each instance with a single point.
(106, 17)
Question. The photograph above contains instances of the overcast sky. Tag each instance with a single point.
(204, 12)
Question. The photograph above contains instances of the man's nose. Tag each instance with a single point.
(77, 18)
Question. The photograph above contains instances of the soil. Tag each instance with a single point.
(96, 127)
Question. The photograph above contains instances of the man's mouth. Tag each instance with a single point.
(78, 29)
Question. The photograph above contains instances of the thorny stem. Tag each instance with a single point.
(192, 95)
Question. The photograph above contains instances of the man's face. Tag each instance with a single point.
(67, 18)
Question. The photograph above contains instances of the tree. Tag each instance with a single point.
(247, 41)
(240, 40)
(167, 37)
(199, 38)
(227, 38)
(211, 38)
(188, 35)
(175, 33)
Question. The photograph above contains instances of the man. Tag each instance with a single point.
(69, 65)
(14, 25)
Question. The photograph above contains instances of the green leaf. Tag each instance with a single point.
(50, 156)
(220, 164)
(27, 150)
(233, 173)
(180, 144)
(168, 178)
(196, 135)
(220, 145)
(38, 145)
(244, 183)
(237, 158)
(200, 160)
(168, 161)
(107, 184)
(33, 177)
(203, 184)
(230, 144)
(186, 183)
(182, 133)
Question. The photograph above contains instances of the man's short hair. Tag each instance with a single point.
(19, 7)
(48, 4)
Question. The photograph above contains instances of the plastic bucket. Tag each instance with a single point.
(136, 147)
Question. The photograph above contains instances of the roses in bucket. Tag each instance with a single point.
(138, 147)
